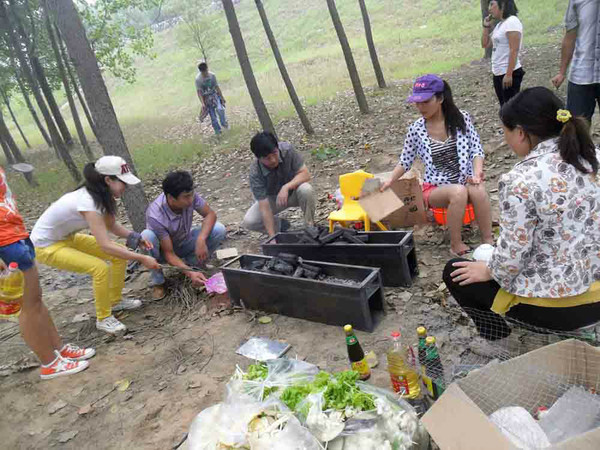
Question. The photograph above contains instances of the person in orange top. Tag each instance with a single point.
(37, 328)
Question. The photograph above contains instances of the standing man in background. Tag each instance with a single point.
(581, 49)
(211, 97)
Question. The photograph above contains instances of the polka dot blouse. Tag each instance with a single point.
(418, 143)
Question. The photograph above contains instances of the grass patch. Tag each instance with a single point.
(322, 152)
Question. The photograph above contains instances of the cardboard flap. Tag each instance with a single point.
(456, 423)
(408, 190)
(379, 205)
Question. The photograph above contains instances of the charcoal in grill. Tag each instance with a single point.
(331, 237)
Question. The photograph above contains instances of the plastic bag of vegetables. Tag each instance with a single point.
(249, 425)
(351, 415)
(271, 377)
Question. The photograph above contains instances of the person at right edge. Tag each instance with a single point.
(545, 268)
(581, 49)
(506, 41)
(278, 180)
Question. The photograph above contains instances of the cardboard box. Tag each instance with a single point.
(411, 210)
(459, 419)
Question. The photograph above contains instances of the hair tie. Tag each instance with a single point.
(563, 115)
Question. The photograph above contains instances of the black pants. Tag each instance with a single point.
(477, 299)
(505, 95)
(582, 99)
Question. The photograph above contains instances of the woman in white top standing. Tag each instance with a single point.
(93, 206)
(506, 40)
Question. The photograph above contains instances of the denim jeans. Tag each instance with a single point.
(185, 250)
(582, 99)
(219, 111)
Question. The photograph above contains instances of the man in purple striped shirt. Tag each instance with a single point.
(169, 229)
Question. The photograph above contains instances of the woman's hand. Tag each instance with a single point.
(386, 185)
(507, 81)
(477, 178)
(470, 272)
(149, 262)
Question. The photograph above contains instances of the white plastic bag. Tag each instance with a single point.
(576, 411)
(519, 427)
(222, 424)
(237, 424)
(281, 373)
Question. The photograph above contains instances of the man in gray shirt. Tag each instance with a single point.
(211, 97)
(581, 49)
(278, 180)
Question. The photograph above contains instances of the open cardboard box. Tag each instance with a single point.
(459, 418)
(406, 210)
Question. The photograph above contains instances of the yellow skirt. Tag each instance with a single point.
(505, 300)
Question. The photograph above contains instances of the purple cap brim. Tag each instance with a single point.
(418, 98)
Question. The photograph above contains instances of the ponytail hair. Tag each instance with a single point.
(98, 189)
(454, 118)
(536, 111)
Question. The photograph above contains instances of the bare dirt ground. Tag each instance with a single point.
(178, 356)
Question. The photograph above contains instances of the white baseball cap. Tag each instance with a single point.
(118, 167)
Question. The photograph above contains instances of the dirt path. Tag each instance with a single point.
(178, 359)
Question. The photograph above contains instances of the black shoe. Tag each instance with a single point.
(284, 225)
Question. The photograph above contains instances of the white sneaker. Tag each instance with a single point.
(62, 366)
(127, 303)
(111, 325)
(74, 353)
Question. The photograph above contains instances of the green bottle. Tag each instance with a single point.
(434, 369)
(421, 334)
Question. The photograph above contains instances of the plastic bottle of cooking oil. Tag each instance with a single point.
(400, 358)
(11, 292)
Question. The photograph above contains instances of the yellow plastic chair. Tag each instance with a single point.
(351, 185)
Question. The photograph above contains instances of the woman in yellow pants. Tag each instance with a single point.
(93, 206)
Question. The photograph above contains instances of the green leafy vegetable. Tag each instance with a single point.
(256, 371)
(339, 392)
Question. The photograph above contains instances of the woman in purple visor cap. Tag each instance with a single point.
(445, 140)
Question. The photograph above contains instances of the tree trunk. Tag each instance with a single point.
(371, 45)
(485, 11)
(284, 73)
(110, 134)
(67, 64)
(49, 95)
(6, 137)
(356, 85)
(65, 82)
(242, 55)
(12, 114)
(32, 111)
(9, 157)
(40, 75)
(59, 145)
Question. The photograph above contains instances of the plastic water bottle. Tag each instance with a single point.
(401, 366)
(11, 291)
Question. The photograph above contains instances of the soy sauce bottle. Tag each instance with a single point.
(356, 355)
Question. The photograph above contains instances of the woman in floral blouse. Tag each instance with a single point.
(449, 146)
(545, 269)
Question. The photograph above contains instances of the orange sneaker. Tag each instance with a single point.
(70, 351)
(61, 366)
